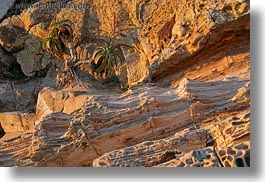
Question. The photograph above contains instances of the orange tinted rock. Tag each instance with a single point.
(16, 121)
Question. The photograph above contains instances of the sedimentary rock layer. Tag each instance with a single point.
(68, 135)
(188, 97)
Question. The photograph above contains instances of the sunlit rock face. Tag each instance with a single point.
(187, 70)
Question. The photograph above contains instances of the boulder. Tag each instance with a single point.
(17, 96)
(9, 68)
(38, 14)
(12, 122)
(50, 101)
(12, 36)
(30, 58)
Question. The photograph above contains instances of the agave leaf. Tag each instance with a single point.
(45, 44)
(102, 66)
(58, 27)
(53, 32)
(110, 56)
(66, 30)
(68, 22)
(97, 51)
(110, 60)
(119, 55)
(53, 49)
(49, 43)
(106, 57)
(108, 68)
(98, 57)
(57, 46)
(69, 29)
(56, 49)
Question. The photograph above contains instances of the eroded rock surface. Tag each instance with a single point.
(102, 123)
(13, 122)
(188, 101)
(9, 68)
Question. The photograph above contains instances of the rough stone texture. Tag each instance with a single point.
(67, 135)
(196, 111)
(152, 153)
(35, 15)
(21, 95)
(9, 68)
(17, 96)
(50, 101)
(15, 156)
(13, 34)
(2, 132)
(30, 58)
(236, 156)
(16, 121)
(23, 35)
(200, 25)
(165, 37)
(198, 158)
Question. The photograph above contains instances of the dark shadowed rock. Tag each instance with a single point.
(9, 68)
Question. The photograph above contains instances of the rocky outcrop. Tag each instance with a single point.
(13, 122)
(196, 26)
(152, 153)
(164, 38)
(13, 34)
(188, 98)
(9, 68)
(102, 123)
(23, 35)
(21, 95)
(15, 156)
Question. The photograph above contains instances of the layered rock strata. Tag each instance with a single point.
(75, 135)
(188, 101)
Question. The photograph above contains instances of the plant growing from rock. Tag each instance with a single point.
(61, 35)
(53, 45)
(63, 31)
(106, 58)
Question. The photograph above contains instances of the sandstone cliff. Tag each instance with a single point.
(187, 72)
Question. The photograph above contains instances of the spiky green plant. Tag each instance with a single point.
(53, 45)
(62, 29)
(106, 58)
